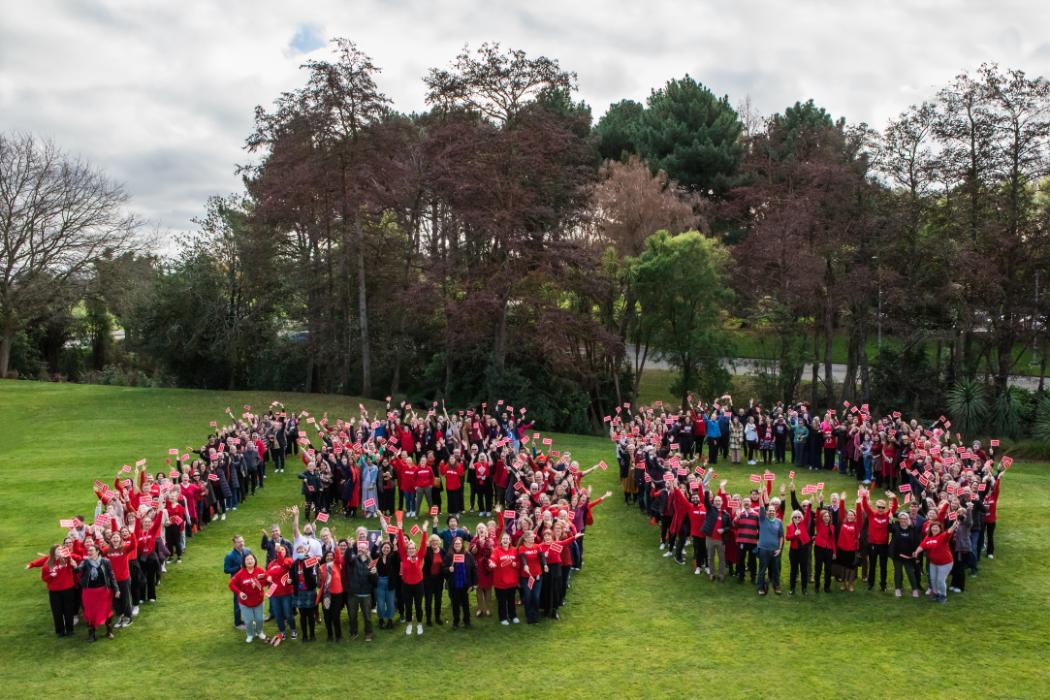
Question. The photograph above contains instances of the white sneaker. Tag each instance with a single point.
(76, 619)
(262, 636)
(707, 570)
(235, 507)
(249, 639)
(662, 546)
(696, 571)
(134, 611)
(991, 556)
(516, 621)
(419, 629)
(668, 553)
(223, 517)
(163, 568)
(408, 629)
(504, 622)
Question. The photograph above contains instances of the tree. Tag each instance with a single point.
(691, 135)
(617, 130)
(679, 281)
(58, 216)
(627, 205)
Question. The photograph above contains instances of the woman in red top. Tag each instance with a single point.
(176, 513)
(504, 566)
(798, 535)
(119, 554)
(453, 473)
(848, 543)
(281, 591)
(533, 566)
(824, 548)
(411, 576)
(481, 548)
(433, 579)
(248, 585)
(147, 552)
(57, 573)
(330, 591)
(936, 544)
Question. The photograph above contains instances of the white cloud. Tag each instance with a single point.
(161, 95)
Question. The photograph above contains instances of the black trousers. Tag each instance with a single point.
(484, 495)
(700, 551)
(505, 603)
(64, 605)
(151, 571)
(799, 559)
(432, 589)
(122, 605)
(333, 615)
(822, 565)
(746, 559)
(307, 622)
(909, 567)
(712, 450)
(364, 604)
(879, 552)
(551, 589)
(412, 594)
(455, 500)
(460, 605)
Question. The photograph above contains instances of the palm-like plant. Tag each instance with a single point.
(1006, 414)
(1041, 430)
(968, 405)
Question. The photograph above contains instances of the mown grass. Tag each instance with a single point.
(637, 625)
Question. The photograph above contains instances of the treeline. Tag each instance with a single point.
(504, 245)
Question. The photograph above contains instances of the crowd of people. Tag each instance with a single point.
(415, 467)
(938, 514)
(105, 569)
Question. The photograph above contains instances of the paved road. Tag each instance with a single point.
(743, 365)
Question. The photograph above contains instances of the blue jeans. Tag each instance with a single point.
(384, 599)
(768, 562)
(867, 467)
(531, 599)
(253, 619)
(410, 501)
(281, 609)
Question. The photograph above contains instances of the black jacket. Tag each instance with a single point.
(358, 578)
(468, 561)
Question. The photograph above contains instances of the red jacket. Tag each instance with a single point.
(825, 535)
(411, 567)
(798, 536)
(277, 573)
(505, 575)
(251, 584)
(532, 564)
(453, 476)
(938, 548)
(59, 578)
(879, 524)
(849, 537)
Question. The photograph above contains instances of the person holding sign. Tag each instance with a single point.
(247, 584)
(461, 573)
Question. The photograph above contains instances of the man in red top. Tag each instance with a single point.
(878, 536)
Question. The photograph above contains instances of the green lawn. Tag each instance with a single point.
(637, 625)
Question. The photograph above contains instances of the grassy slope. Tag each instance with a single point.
(637, 624)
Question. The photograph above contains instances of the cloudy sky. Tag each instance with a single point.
(160, 94)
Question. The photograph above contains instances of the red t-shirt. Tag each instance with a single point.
(937, 548)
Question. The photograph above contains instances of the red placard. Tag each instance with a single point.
(322, 517)
(312, 561)
(457, 558)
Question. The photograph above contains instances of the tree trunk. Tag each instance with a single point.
(5, 350)
(829, 336)
(814, 377)
(362, 311)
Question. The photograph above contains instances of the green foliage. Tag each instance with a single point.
(1041, 430)
(691, 135)
(679, 283)
(903, 379)
(1006, 414)
(968, 406)
(617, 130)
